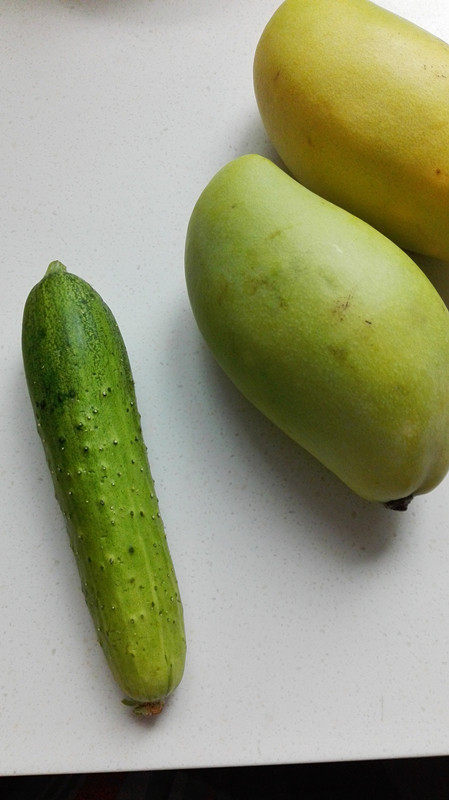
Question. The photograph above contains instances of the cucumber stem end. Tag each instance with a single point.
(149, 709)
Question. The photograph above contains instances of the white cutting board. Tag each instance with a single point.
(317, 624)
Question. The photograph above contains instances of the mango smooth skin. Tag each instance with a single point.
(356, 101)
(326, 326)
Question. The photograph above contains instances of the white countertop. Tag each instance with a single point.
(317, 624)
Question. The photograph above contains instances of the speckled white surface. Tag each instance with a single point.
(317, 624)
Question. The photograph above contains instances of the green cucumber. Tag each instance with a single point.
(82, 391)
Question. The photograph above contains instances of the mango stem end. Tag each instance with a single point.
(401, 504)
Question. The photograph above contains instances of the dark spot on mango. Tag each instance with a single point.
(274, 234)
(341, 306)
(254, 284)
(339, 353)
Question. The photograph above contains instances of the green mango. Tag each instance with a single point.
(326, 326)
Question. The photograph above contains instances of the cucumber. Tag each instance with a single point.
(82, 391)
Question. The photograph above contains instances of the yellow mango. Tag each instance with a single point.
(324, 324)
(356, 101)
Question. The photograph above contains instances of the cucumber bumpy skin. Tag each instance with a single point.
(82, 391)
